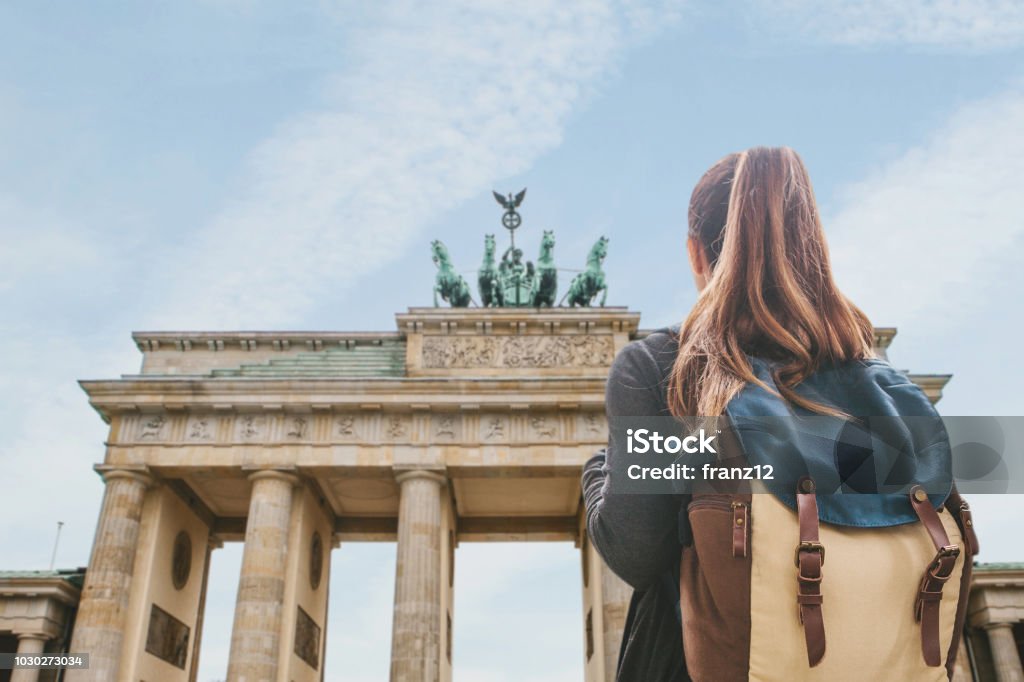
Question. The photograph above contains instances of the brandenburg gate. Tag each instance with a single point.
(463, 425)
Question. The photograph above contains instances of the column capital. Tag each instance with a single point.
(43, 637)
(279, 474)
(111, 472)
(436, 475)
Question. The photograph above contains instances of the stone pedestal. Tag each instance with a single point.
(102, 613)
(255, 637)
(1005, 657)
(416, 637)
(28, 645)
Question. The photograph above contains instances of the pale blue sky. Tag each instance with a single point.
(252, 165)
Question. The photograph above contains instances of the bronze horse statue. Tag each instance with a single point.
(546, 283)
(448, 283)
(488, 279)
(586, 285)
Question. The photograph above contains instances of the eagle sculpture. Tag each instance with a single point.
(510, 203)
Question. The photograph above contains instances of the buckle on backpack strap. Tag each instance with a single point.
(940, 570)
(807, 546)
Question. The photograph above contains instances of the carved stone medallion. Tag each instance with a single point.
(181, 560)
(316, 561)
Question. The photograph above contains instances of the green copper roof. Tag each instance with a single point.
(377, 358)
(1000, 566)
(75, 576)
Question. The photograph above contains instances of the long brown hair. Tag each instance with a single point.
(770, 292)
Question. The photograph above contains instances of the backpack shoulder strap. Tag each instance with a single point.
(810, 557)
(926, 607)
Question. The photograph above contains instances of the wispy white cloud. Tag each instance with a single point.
(975, 25)
(917, 240)
(434, 103)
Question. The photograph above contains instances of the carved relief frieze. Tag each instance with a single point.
(592, 426)
(201, 429)
(468, 352)
(396, 427)
(167, 637)
(152, 427)
(250, 427)
(345, 427)
(511, 424)
(307, 639)
(446, 427)
(494, 428)
(296, 427)
(543, 427)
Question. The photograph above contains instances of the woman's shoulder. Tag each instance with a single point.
(653, 354)
(638, 380)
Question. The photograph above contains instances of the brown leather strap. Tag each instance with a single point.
(929, 596)
(810, 557)
(740, 522)
(962, 511)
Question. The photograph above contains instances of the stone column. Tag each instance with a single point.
(29, 644)
(99, 627)
(615, 595)
(416, 636)
(255, 637)
(212, 543)
(1005, 657)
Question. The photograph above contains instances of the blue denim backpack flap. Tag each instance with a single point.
(862, 466)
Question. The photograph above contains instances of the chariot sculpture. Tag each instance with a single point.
(512, 282)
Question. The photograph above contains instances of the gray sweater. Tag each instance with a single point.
(638, 535)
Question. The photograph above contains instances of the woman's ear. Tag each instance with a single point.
(698, 263)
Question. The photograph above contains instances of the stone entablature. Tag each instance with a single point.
(38, 602)
(466, 426)
(997, 595)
